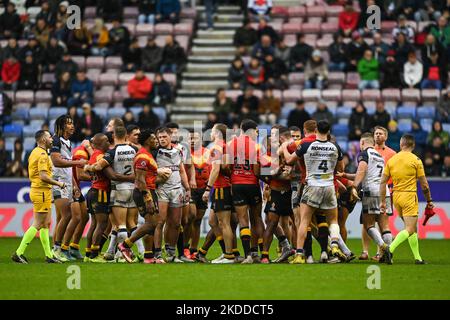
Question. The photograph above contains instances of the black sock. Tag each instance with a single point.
(222, 245)
(308, 244)
(180, 244)
(236, 252)
(103, 241)
(323, 238)
(148, 255)
(157, 252)
(281, 239)
(261, 245)
(246, 237)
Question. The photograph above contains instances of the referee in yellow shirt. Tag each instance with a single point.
(405, 168)
(40, 173)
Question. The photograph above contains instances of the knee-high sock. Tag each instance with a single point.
(387, 237)
(45, 241)
(374, 233)
(112, 242)
(414, 244)
(401, 237)
(308, 244)
(26, 240)
(246, 237)
(334, 234)
(343, 246)
(139, 243)
(122, 234)
(323, 238)
(180, 244)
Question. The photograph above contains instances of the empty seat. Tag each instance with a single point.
(43, 97)
(29, 143)
(188, 13)
(116, 112)
(286, 110)
(426, 112)
(310, 27)
(332, 94)
(24, 96)
(430, 95)
(291, 95)
(109, 78)
(404, 125)
(343, 144)
(353, 80)
(411, 95)
(90, 12)
(183, 28)
(391, 94)
(80, 61)
(124, 77)
(446, 127)
(113, 62)
(12, 131)
(163, 28)
(336, 77)
(297, 11)
(280, 11)
(329, 27)
(388, 26)
(95, 62)
(93, 74)
(101, 112)
(38, 114)
(104, 95)
(340, 130)
(406, 112)
(427, 124)
(344, 112)
(48, 78)
(145, 29)
(291, 27)
(54, 113)
(136, 111)
(29, 131)
(323, 43)
(296, 78)
(315, 11)
(161, 113)
(130, 12)
(334, 10)
(351, 95)
(20, 114)
(311, 94)
(371, 94)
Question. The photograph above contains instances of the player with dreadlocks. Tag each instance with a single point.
(61, 156)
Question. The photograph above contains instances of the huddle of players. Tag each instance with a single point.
(169, 185)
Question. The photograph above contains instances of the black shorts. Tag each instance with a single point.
(319, 218)
(79, 199)
(344, 202)
(221, 199)
(196, 198)
(152, 196)
(280, 203)
(246, 194)
(98, 201)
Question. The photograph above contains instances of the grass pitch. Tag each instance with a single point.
(403, 280)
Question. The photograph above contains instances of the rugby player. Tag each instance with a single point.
(133, 132)
(246, 191)
(40, 173)
(61, 156)
(405, 168)
(321, 158)
(172, 195)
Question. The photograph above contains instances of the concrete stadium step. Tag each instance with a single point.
(213, 51)
(213, 42)
(191, 110)
(215, 34)
(287, 3)
(195, 93)
(220, 17)
(188, 118)
(212, 67)
(221, 9)
(205, 75)
(222, 25)
(211, 59)
(194, 101)
(203, 84)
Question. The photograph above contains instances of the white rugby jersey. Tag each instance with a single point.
(63, 147)
(375, 165)
(320, 159)
(121, 159)
(170, 158)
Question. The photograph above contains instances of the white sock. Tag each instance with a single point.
(343, 246)
(334, 234)
(387, 237)
(139, 243)
(112, 242)
(122, 234)
(376, 236)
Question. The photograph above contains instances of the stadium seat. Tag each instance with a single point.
(183, 28)
(329, 27)
(94, 75)
(291, 27)
(279, 12)
(130, 12)
(311, 108)
(316, 11)
(311, 94)
(80, 61)
(104, 95)
(12, 131)
(171, 78)
(404, 125)
(144, 29)
(188, 13)
(136, 111)
(296, 78)
(113, 62)
(391, 94)
(90, 12)
(43, 97)
(38, 114)
(124, 77)
(352, 80)
(310, 27)
(29, 131)
(20, 114)
(344, 112)
(110, 78)
(343, 144)
(427, 124)
(446, 127)
(163, 28)
(291, 95)
(336, 78)
(426, 112)
(24, 96)
(116, 112)
(323, 44)
(388, 26)
(406, 112)
(340, 130)
(332, 94)
(101, 112)
(430, 95)
(351, 95)
(29, 143)
(334, 10)
(48, 78)
(161, 113)
(95, 63)
(412, 95)
(55, 112)
(285, 110)
(297, 11)
(371, 94)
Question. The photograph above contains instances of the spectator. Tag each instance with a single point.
(53, 53)
(147, 118)
(100, 38)
(446, 166)
(364, 16)
(348, 19)
(132, 56)
(263, 48)
(402, 49)
(437, 131)
(255, 74)
(161, 93)
(337, 52)
(128, 119)
(420, 137)
(10, 25)
(211, 121)
(275, 73)
(77, 134)
(61, 90)
(29, 73)
(282, 52)
(390, 72)
(394, 136)
(10, 74)
(409, 8)
(316, 72)
(139, 89)
(6, 105)
(246, 104)
(245, 37)
(269, 108)
(4, 157)
(360, 122)
(322, 113)
(147, 11)
(34, 47)
(12, 49)
(60, 31)
(412, 71)
(82, 90)
(223, 106)
(391, 9)
(355, 51)
(437, 150)
(442, 32)
(210, 9)
(300, 54)
(403, 27)
(109, 10)
(298, 116)
(427, 11)
(368, 69)
(266, 30)
(443, 107)
(432, 45)
(42, 32)
(381, 117)
(379, 48)
(151, 56)
(90, 122)
(61, 14)
(168, 11)
(66, 65)
(236, 75)
(46, 14)
(80, 41)
(173, 56)
(435, 74)
(430, 167)
(259, 9)
(18, 165)
(119, 38)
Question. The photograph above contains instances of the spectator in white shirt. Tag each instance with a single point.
(259, 8)
(412, 71)
(404, 28)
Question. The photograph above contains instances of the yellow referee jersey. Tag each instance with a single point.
(39, 160)
(404, 168)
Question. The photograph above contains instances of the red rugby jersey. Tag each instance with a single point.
(145, 161)
(216, 153)
(200, 159)
(245, 152)
(99, 181)
(77, 154)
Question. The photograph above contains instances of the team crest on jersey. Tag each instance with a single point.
(143, 163)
